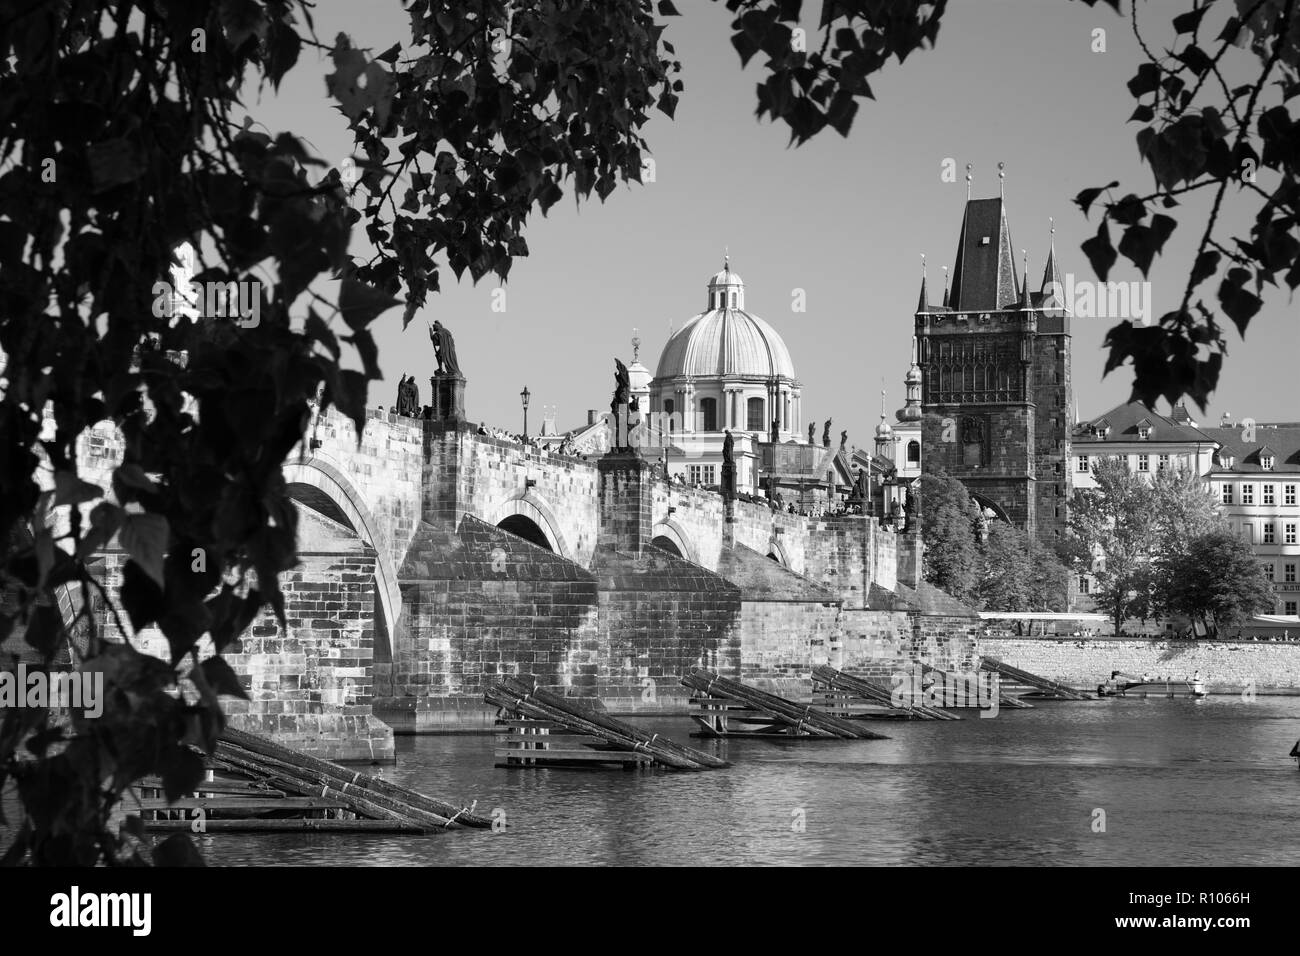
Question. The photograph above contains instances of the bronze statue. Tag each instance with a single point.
(812, 431)
(776, 430)
(412, 397)
(444, 348)
(826, 434)
(400, 405)
(844, 439)
(728, 449)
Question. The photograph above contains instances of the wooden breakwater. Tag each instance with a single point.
(724, 701)
(592, 736)
(256, 785)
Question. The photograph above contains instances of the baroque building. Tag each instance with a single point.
(995, 391)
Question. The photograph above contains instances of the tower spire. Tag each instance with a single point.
(1052, 272)
(924, 304)
(1024, 288)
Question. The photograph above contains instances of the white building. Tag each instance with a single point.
(1256, 477)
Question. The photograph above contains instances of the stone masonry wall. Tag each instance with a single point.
(1226, 666)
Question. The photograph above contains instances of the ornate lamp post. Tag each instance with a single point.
(524, 396)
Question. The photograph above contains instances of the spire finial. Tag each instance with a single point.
(726, 258)
(923, 266)
(636, 344)
(882, 401)
(1002, 180)
(969, 167)
(945, 287)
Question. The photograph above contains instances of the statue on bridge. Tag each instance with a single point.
(622, 396)
(728, 449)
(444, 349)
(844, 439)
(729, 473)
(812, 431)
(826, 434)
(408, 397)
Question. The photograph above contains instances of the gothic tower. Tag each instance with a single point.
(995, 358)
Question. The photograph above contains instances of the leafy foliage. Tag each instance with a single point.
(1217, 579)
(948, 519)
(989, 565)
(1242, 145)
(495, 107)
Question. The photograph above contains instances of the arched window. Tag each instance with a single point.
(709, 414)
(914, 453)
(754, 415)
(668, 412)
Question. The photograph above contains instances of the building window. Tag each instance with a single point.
(1085, 586)
(754, 415)
(1162, 463)
(1247, 494)
(1288, 574)
(1083, 463)
(1288, 533)
(914, 453)
(709, 414)
(1267, 496)
(1268, 570)
(1288, 495)
(701, 474)
(1268, 532)
(1266, 462)
(1227, 493)
(1144, 462)
(1290, 608)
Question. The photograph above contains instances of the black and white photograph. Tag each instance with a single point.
(659, 434)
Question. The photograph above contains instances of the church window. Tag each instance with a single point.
(709, 414)
(913, 452)
(754, 415)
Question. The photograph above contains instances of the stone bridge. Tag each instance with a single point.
(434, 559)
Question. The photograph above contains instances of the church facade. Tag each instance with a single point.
(996, 394)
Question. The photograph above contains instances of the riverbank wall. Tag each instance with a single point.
(1228, 667)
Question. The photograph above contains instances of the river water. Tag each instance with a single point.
(1180, 782)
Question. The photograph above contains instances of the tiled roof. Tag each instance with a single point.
(984, 278)
(1124, 421)
(1282, 440)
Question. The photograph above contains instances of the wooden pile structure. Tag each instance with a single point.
(842, 692)
(586, 737)
(255, 785)
(1035, 686)
(723, 701)
(1005, 699)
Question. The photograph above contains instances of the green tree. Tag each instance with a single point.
(949, 515)
(1218, 581)
(122, 136)
(1016, 573)
(1110, 528)
(1183, 509)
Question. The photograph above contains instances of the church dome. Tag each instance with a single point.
(726, 340)
(883, 430)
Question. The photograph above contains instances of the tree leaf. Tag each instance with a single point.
(144, 536)
(222, 678)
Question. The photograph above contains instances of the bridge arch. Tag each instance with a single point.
(320, 486)
(672, 537)
(532, 506)
(992, 505)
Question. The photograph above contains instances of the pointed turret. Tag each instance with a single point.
(923, 304)
(984, 276)
(1052, 272)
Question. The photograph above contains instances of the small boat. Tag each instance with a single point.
(1197, 687)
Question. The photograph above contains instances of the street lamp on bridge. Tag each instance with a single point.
(524, 396)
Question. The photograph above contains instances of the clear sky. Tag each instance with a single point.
(845, 220)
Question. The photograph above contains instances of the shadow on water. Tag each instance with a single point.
(1179, 781)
